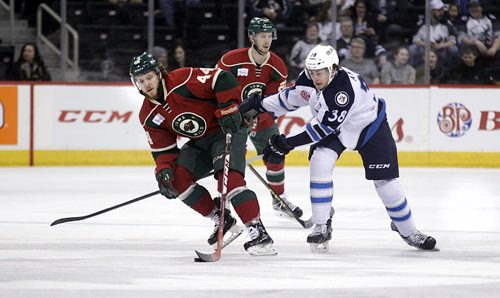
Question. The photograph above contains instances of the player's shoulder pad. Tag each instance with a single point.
(234, 57)
(303, 80)
(340, 91)
(277, 64)
(178, 77)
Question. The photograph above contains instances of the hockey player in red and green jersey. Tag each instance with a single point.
(259, 70)
(199, 104)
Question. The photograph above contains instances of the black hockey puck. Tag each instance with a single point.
(198, 260)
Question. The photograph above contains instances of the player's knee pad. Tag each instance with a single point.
(390, 191)
(322, 162)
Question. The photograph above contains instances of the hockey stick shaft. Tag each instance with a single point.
(306, 224)
(76, 218)
(215, 256)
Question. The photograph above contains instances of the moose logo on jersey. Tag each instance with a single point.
(189, 124)
(252, 88)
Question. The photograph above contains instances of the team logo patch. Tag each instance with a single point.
(242, 72)
(305, 95)
(190, 125)
(252, 88)
(341, 99)
(158, 119)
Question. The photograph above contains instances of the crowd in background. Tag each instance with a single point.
(384, 40)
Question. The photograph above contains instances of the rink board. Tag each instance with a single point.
(83, 124)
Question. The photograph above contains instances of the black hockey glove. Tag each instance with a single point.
(228, 117)
(253, 102)
(165, 178)
(276, 149)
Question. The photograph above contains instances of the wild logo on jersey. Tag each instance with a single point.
(252, 88)
(190, 125)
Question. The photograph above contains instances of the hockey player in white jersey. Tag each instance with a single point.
(346, 114)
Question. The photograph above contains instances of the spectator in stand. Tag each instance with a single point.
(366, 26)
(454, 19)
(479, 31)
(399, 71)
(180, 57)
(469, 71)
(277, 11)
(161, 55)
(438, 72)
(441, 39)
(324, 20)
(394, 20)
(357, 63)
(29, 66)
(346, 35)
(301, 49)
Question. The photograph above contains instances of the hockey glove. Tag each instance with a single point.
(229, 117)
(165, 178)
(276, 149)
(253, 102)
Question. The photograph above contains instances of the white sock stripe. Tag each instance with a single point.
(276, 183)
(275, 173)
(321, 193)
(186, 193)
(236, 191)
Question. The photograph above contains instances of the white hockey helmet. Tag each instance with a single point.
(322, 57)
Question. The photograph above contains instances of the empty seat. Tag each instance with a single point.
(131, 37)
(94, 40)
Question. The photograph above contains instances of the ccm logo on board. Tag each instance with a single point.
(69, 116)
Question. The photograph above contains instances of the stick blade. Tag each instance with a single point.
(306, 224)
(63, 220)
(213, 257)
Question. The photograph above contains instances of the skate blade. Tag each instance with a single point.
(262, 250)
(231, 235)
(319, 248)
(434, 249)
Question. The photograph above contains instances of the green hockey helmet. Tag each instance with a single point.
(261, 25)
(142, 64)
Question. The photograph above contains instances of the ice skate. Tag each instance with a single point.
(282, 211)
(260, 243)
(231, 229)
(418, 239)
(320, 237)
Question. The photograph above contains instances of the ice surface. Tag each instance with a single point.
(146, 249)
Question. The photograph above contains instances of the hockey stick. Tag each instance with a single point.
(76, 218)
(306, 224)
(215, 256)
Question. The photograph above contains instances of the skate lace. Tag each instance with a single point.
(417, 238)
(319, 229)
(216, 220)
(253, 232)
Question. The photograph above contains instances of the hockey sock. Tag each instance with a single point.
(322, 162)
(199, 199)
(194, 195)
(392, 195)
(246, 205)
(275, 174)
